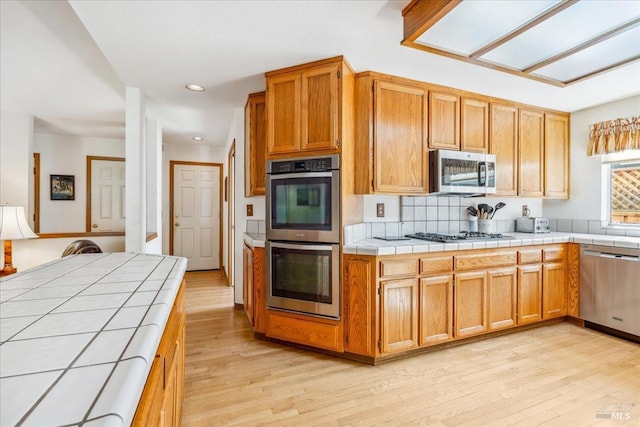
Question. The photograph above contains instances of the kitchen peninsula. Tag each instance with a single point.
(81, 336)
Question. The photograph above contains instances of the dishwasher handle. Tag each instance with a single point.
(610, 255)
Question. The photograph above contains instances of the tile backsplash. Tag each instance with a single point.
(256, 226)
(447, 215)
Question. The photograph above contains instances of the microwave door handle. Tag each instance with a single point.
(482, 167)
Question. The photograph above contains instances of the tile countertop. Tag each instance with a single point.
(255, 240)
(78, 336)
(382, 247)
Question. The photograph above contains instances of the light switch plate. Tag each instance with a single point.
(380, 210)
(249, 210)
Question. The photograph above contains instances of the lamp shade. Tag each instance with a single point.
(13, 224)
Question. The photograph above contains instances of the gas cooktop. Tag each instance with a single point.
(462, 236)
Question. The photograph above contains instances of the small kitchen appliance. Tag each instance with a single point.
(528, 224)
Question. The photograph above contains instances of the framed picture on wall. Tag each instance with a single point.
(63, 187)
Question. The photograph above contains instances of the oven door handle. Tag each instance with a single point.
(302, 247)
(301, 175)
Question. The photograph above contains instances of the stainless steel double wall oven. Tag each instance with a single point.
(303, 235)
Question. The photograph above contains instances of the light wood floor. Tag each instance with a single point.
(559, 375)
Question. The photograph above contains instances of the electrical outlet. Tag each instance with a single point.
(249, 210)
(380, 210)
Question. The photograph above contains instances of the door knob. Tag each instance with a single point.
(177, 224)
(94, 225)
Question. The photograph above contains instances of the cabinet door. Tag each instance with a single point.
(444, 120)
(502, 298)
(359, 320)
(255, 143)
(247, 282)
(398, 315)
(531, 143)
(436, 309)
(554, 303)
(556, 156)
(400, 117)
(504, 144)
(283, 113)
(529, 293)
(474, 125)
(259, 291)
(319, 111)
(470, 303)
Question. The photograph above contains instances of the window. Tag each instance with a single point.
(621, 185)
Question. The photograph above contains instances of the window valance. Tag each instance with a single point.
(613, 136)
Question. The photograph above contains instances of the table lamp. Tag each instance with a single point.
(13, 226)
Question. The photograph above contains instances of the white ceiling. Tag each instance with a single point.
(69, 63)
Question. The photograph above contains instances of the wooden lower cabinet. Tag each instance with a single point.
(163, 395)
(436, 309)
(395, 303)
(247, 283)
(554, 298)
(254, 290)
(470, 304)
(503, 284)
(398, 315)
(529, 293)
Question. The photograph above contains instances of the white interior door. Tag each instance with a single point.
(196, 222)
(107, 195)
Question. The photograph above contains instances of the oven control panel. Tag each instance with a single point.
(319, 164)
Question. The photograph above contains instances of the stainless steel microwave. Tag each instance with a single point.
(461, 173)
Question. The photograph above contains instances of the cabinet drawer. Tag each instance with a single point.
(310, 331)
(529, 256)
(433, 265)
(483, 261)
(554, 253)
(398, 267)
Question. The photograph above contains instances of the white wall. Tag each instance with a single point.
(16, 164)
(236, 132)
(585, 174)
(67, 155)
(16, 160)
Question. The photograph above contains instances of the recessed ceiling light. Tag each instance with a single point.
(198, 138)
(195, 88)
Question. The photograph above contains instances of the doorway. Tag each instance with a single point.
(195, 208)
(106, 185)
(231, 220)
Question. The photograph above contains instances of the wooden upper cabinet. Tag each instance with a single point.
(531, 159)
(400, 151)
(283, 113)
(504, 144)
(319, 127)
(556, 155)
(255, 145)
(303, 108)
(444, 120)
(390, 136)
(474, 125)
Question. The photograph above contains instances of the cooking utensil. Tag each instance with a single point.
(489, 212)
(471, 210)
(497, 208)
(482, 210)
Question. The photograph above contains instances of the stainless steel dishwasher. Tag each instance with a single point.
(610, 287)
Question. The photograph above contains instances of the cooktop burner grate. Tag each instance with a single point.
(464, 235)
